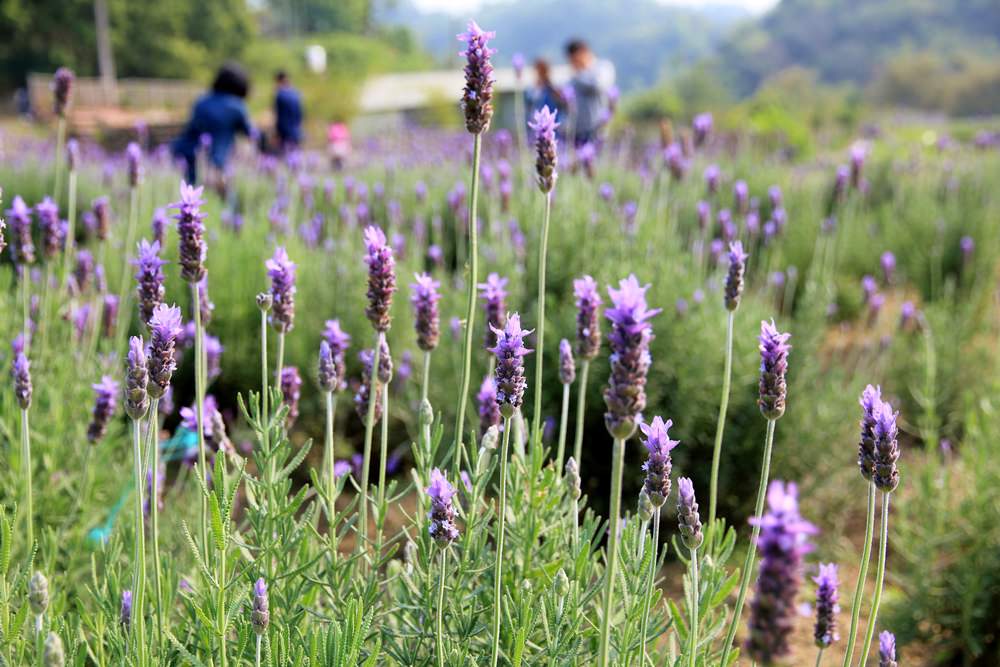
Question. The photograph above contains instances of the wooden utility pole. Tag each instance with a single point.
(105, 58)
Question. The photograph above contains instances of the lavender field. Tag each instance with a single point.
(672, 399)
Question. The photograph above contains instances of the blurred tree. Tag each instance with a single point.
(297, 17)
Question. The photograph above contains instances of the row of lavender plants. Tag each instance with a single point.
(484, 551)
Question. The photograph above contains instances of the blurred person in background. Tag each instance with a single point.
(216, 118)
(287, 113)
(544, 93)
(592, 80)
(338, 143)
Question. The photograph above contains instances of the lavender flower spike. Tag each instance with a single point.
(886, 649)
(21, 371)
(477, 98)
(191, 232)
(327, 371)
(260, 617)
(125, 616)
(885, 473)
(133, 155)
(588, 323)
(489, 410)
(426, 318)
(381, 278)
(784, 540)
(291, 391)
(493, 292)
(365, 390)
(165, 327)
(442, 514)
(339, 341)
(62, 86)
(53, 233)
(22, 248)
(105, 401)
(688, 521)
(567, 365)
(630, 336)
(774, 350)
(544, 126)
(281, 271)
(149, 279)
(136, 380)
(657, 467)
(510, 352)
(826, 605)
(734, 278)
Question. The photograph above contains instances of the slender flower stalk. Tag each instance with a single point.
(773, 391)
(689, 526)
(588, 344)
(149, 278)
(443, 530)
(62, 89)
(427, 323)
(21, 372)
(136, 407)
(139, 562)
(567, 373)
(544, 126)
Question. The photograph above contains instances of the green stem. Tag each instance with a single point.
(331, 477)
(617, 471)
(563, 418)
(720, 425)
(257, 661)
(859, 589)
(383, 459)
(543, 247)
(373, 389)
(221, 610)
(470, 312)
(819, 657)
(199, 399)
(424, 423)
(139, 557)
(500, 528)
(26, 309)
(650, 582)
(59, 156)
(581, 405)
(123, 309)
(29, 512)
(695, 594)
(70, 245)
(153, 447)
(752, 547)
(879, 578)
(440, 607)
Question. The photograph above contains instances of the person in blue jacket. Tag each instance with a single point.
(287, 113)
(216, 118)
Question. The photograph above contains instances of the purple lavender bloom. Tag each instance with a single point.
(125, 615)
(365, 389)
(435, 254)
(477, 98)
(133, 156)
(109, 315)
(101, 210)
(62, 87)
(631, 333)
(784, 540)
(81, 321)
(21, 372)
(702, 127)
(968, 246)
(455, 326)
(165, 327)
(136, 380)
(489, 409)
(213, 357)
(381, 278)
(72, 154)
(827, 608)
(712, 176)
(510, 352)
(606, 191)
(657, 466)
(281, 271)
(53, 233)
(879, 449)
(734, 277)
(907, 315)
(681, 306)
(261, 614)
(291, 391)
(149, 278)
(22, 248)
(567, 365)
(886, 649)
(677, 164)
(858, 156)
(888, 262)
(83, 270)
(588, 323)
(775, 197)
(774, 350)
(191, 231)
(426, 318)
(715, 249)
(704, 214)
(105, 402)
(517, 62)
(741, 197)
(339, 341)
(493, 292)
(159, 224)
(544, 125)
(442, 514)
(161, 477)
(688, 520)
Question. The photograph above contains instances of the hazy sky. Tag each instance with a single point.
(463, 6)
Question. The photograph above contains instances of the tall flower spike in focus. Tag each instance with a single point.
(339, 341)
(493, 292)
(567, 364)
(657, 466)
(136, 380)
(260, 617)
(688, 520)
(149, 279)
(510, 352)
(442, 514)
(734, 277)
(544, 125)
(426, 319)
(365, 391)
(885, 473)
(105, 402)
(62, 88)
(886, 649)
(631, 333)
(164, 326)
(588, 318)
(21, 372)
(783, 541)
(191, 232)
(281, 271)
(774, 350)
(327, 370)
(381, 278)
(826, 605)
(477, 97)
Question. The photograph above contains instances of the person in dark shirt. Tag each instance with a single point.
(287, 113)
(216, 118)
(544, 93)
